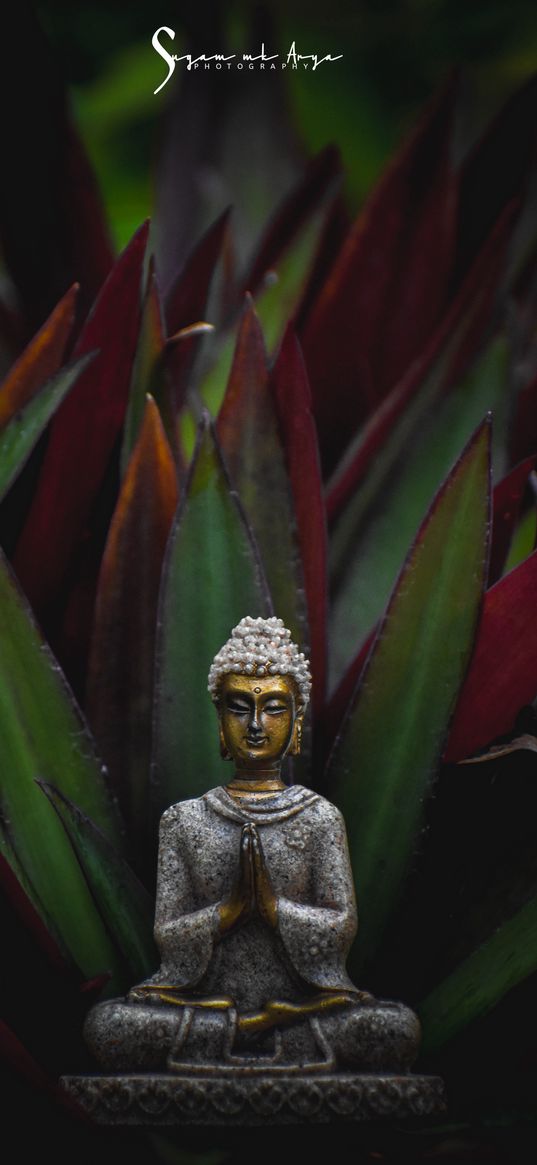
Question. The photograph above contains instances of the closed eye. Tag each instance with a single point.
(238, 709)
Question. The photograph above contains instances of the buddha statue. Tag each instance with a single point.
(255, 910)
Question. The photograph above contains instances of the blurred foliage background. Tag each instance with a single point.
(395, 54)
(223, 150)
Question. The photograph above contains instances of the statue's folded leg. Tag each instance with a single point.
(376, 1037)
(127, 1037)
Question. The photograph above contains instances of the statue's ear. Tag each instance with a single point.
(296, 739)
(224, 751)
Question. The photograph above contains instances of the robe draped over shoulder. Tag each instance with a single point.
(305, 848)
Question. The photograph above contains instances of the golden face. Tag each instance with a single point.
(258, 719)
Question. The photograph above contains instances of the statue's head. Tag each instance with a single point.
(260, 683)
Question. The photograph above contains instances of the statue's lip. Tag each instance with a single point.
(255, 740)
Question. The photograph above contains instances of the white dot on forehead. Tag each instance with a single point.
(257, 690)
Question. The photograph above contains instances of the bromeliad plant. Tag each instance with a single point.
(370, 479)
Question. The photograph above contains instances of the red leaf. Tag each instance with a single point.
(186, 303)
(388, 287)
(508, 495)
(187, 297)
(84, 432)
(455, 341)
(524, 427)
(16, 1055)
(29, 916)
(20, 1060)
(503, 672)
(335, 230)
(40, 360)
(291, 389)
(300, 204)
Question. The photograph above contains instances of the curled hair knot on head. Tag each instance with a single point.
(261, 647)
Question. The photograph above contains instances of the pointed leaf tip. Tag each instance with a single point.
(210, 533)
(411, 682)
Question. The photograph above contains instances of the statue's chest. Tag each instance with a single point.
(214, 847)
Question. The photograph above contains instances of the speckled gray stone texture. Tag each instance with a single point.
(264, 1100)
(183, 1063)
(305, 851)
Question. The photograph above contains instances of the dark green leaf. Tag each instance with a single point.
(481, 980)
(212, 579)
(252, 447)
(124, 905)
(382, 766)
(43, 735)
(24, 429)
(374, 531)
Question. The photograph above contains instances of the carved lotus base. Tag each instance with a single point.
(247, 1100)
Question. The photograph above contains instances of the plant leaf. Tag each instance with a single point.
(147, 370)
(502, 675)
(456, 342)
(212, 579)
(248, 433)
(507, 957)
(187, 303)
(382, 766)
(526, 742)
(292, 395)
(187, 298)
(296, 209)
(124, 905)
(20, 435)
(120, 675)
(524, 427)
(377, 526)
(84, 432)
(43, 733)
(19, 894)
(388, 287)
(40, 360)
(507, 499)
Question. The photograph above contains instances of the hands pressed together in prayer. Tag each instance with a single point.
(252, 890)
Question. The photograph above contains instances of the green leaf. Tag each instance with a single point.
(43, 735)
(119, 689)
(25, 428)
(481, 980)
(124, 905)
(374, 531)
(382, 766)
(147, 369)
(250, 440)
(212, 578)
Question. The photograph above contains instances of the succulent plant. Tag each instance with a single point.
(363, 466)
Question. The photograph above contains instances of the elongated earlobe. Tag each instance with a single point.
(296, 739)
(224, 751)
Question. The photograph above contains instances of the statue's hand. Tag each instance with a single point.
(238, 907)
(264, 894)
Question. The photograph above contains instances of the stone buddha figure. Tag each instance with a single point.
(255, 909)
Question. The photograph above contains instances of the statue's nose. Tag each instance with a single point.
(254, 726)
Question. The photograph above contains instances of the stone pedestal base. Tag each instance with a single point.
(260, 1100)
